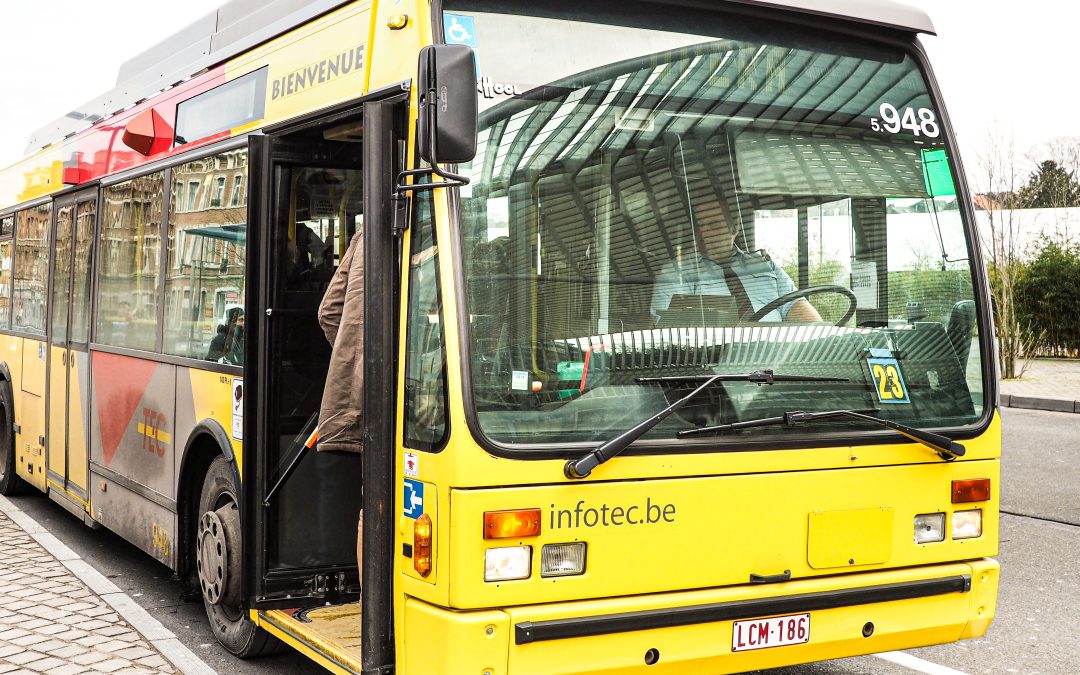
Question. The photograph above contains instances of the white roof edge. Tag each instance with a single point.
(250, 21)
(887, 13)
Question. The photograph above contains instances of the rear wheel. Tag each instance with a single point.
(10, 483)
(217, 554)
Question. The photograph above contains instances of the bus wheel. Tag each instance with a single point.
(217, 552)
(10, 483)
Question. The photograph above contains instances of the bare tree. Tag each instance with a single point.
(1063, 151)
(1003, 246)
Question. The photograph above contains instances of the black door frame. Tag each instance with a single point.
(384, 118)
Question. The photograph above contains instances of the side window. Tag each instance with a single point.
(6, 248)
(130, 247)
(204, 278)
(85, 219)
(425, 355)
(31, 269)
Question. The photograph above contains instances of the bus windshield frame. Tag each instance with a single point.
(917, 186)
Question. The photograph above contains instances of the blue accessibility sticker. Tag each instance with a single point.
(459, 29)
(413, 499)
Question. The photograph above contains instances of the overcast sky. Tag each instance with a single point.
(1002, 66)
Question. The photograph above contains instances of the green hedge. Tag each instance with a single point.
(1048, 298)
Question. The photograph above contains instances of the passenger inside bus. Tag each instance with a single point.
(717, 267)
(315, 512)
(341, 316)
(232, 346)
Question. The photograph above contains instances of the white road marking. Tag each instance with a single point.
(915, 663)
(150, 628)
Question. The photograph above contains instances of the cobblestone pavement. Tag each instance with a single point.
(53, 623)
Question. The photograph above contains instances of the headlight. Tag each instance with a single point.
(510, 562)
(929, 527)
(967, 524)
(562, 560)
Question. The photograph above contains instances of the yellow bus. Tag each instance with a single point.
(676, 336)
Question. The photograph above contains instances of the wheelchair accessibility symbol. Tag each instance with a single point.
(459, 29)
(412, 502)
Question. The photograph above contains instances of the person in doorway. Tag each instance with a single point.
(341, 316)
(717, 267)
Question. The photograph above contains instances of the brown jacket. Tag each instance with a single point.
(341, 315)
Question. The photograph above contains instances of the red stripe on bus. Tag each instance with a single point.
(118, 395)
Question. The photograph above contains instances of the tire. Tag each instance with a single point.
(217, 552)
(10, 483)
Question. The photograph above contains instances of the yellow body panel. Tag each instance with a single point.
(442, 641)
(34, 367)
(35, 176)
(29, 390)
(705, 532)
(213, 398)
(56, 440)
(830, 542)
(338, 34)
(29, 451)
(78, 425)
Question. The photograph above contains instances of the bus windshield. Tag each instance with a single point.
(687, 192)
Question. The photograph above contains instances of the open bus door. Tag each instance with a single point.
(316, 185)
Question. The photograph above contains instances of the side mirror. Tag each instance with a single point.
(447, 124)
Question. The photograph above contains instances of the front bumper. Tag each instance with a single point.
(692, 631)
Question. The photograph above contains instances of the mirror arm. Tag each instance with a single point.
(449, 179)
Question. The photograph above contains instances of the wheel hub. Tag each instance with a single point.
(213, 557)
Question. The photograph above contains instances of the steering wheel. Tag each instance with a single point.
(806, 293)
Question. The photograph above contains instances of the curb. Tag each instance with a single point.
(1038, 403)
(159, 637)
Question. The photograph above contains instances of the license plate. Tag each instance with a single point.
(774, 632)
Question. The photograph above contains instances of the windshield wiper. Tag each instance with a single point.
(583, 466)
(946, 447)
(757, 377)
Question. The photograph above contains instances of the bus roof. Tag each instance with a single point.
(887, 13)
(239, 25)
(233, 28)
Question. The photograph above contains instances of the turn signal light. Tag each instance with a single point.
(422, 545)
(972, 490)
(511, 524)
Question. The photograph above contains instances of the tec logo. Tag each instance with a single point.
(154, 436)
